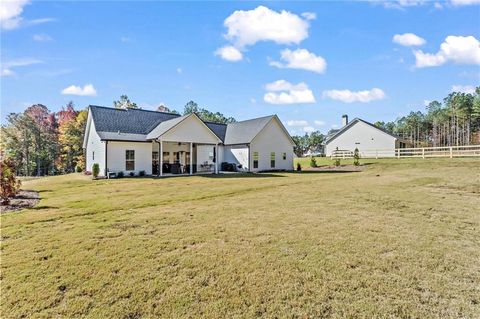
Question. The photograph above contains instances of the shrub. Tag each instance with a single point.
(78, 169)
(95, 170)
(299, 167)
(131, 174)
(336, 162)
(356, 157)
(313, 162)
(9, 184)
(120, 174)
(141, 173)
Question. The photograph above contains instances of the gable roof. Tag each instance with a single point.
(139, 125)
(349, 125)
(243, 132)
(165, 126)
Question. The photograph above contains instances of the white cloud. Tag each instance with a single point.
(426, 102)
(10, 13)
(297, 123)
(262, 24)
(124, 39)
(309, 15)
(301, 59)
(6, 67)
(179, 70)
(319, 123)
(42, 38)
(282, 85)
(229, 53)
(470, 89)
(408, 39)
(457, 49)
(308, 129)
(87, 90)
(348, 96)
(464, 2)
(283, 92)
(253, 101)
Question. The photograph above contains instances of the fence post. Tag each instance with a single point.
(398, 150)
(423, 152)
(451, 152)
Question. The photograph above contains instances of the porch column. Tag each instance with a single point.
(191, 158)
(216, 158)
(160, 154)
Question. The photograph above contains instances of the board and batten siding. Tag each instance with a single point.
(364, 137)
(272, 138)
(116, 156)
(95, 150)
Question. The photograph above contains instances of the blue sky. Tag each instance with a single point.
(307, 62)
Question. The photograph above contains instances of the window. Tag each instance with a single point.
(255, 159)
(284, 156)
(272, 159)
(93, 155)
(166, 157)
(129, 160)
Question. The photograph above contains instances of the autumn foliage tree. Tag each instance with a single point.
(9, 184)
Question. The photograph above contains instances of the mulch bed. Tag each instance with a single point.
(24, 199)
(348, 168)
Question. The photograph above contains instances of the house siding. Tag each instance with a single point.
(237, 154)
(94, 146)
(272, 139)
(364, 137)
(116, 156)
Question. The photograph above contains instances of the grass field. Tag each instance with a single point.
(400, 239)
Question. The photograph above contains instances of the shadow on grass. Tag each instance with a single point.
(325, 171)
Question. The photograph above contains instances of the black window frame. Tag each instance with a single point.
(284, 156)
(129, 161)
(255, 159)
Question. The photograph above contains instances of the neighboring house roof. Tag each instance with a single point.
(243, 132)
(339, 132)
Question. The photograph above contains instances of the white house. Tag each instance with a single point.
(131, 141)
(368, 138)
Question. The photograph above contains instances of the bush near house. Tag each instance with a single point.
(95, 170)
(313, 162)
(356, 157)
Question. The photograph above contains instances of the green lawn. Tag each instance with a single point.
(400, 239)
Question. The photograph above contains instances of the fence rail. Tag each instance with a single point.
(419, 152)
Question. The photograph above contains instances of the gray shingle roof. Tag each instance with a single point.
(243, 132)
(219, 129)
(131, 121)
(140, 125)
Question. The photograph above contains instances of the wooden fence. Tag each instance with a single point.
(419, 152)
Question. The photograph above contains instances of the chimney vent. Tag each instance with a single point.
(344, 119)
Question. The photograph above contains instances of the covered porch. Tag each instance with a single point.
(177, 158)
(184, 145)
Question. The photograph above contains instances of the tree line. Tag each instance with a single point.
(41, 142)
(454, 121)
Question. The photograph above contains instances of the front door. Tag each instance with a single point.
(154, 163)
